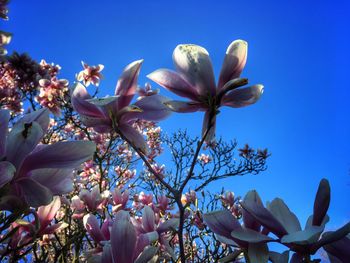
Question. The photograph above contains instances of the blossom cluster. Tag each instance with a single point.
(83, 178)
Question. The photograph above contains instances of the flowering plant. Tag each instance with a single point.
(83, 178)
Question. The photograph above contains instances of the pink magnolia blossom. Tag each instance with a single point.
(126, 245)
(204, 159)
(90, 74)
(94, 199)
(32, 174)
(146, 91)
(163, 204)
(189, 198)
(151, 225)
(52, 93)
(92, 226)
(51, 69)
(116, 112)
(119, 199)
(40, 226)
(194, 79)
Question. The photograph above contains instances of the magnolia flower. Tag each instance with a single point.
(31, 174)
(52, 93)
(115, 112)
(279, 220)
(90, 74)
(94, 199)
(125, 245)
(153, 227)
(96, 232)
(194, 79)
(120, 199)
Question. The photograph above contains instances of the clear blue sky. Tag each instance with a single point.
(298, 49)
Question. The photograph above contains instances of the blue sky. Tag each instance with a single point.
(297, 49)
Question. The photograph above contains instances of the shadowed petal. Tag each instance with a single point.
(148, 219)
(168, 225)
(184, 106)
(321, 203)
(127, 84)
(60, 155)
(7, 171)
(107, 254)
(80, 102)
(303, 237)
(145, 240)
(174, 82)
(153, 109)
(249, 235)
(282, 213)
(258, 252)
(262, 215)
(279, 258)
(123, 241)
(248, 220)
(221, 222)
(296, 258)
(243, 96)
(339, 249)
(332, 236)
(194, 64)
(92, 226)
(147, 254)
(134, 137)
(4, 120)
(59, 181)
(101, 125)
(21, 141)
(42, 117)
(234, 62)
(34, 193)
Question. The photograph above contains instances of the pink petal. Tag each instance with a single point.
(194, 63)
(145, 240)
(243, 96)
(107, 254)
(123, 241)
(221, 222)
(153, 109)
(4, 120)
(254, 207)
(184, 106)
(174, 82)
(82, 106)
(92, 226)
(127, 83)
(21, 141)
(168, 225)
(234, 62)
(147, 255)
(100, 125)
(48, 212)
(60, 155)
(34, 193)
(59, 181)
(148, 219)
(134, 137)
(7, 171)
